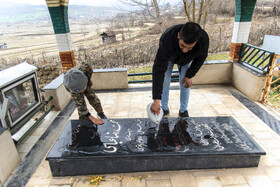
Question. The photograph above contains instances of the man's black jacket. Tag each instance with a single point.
(169, 50)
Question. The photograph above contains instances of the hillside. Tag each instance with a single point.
(137, 39)
(11, 13)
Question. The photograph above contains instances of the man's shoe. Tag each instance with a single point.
(166, 112)
(102, 115)
(184, 114)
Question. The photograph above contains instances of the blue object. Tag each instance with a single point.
(184, 92)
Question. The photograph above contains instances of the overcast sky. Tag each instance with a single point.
(76, 2)
(80, 2)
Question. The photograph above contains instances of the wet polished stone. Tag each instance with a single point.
(135, 145)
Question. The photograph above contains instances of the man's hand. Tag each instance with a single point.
(155, 107)
(96, 121)
(187, 81)
(90, 83)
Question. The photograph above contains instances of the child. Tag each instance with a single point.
(78, 83)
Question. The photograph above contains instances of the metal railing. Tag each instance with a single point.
(148, 78)
(256, 58)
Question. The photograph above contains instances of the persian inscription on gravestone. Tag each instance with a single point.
(141, 145)
(171, 136)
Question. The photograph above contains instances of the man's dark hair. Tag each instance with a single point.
(190, 32)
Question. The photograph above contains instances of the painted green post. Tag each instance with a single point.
(58, 10)
(243, 16)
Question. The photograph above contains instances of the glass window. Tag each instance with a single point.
(23, 97)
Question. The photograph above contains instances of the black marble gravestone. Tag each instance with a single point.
(139, 145)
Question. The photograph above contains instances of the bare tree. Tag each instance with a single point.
(201, 11)
(125, 23)
(275, 8)
(132, 19)
(149, 6)
(83, 31)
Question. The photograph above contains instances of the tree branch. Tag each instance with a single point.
(200, 11)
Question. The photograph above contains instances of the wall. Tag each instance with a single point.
(104, 79)
(248, 82)
(214, 72)
(241, 77)
(47, 73)
(9, 157)
(56, 89)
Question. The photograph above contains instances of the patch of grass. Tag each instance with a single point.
(144, 69)
(275, 101)
(148, 69)
(218, 56)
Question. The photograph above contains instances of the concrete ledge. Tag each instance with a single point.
(9, 157)
(104, 79)
(214, 72)
(248, 81)
(244, 78)
(56, 89)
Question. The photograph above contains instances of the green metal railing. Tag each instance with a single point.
(257, 58)
(174, 77)
(28, 117)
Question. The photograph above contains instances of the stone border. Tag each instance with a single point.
(57, 90)
(30, 163)
(9, 156)
(104, 79)
(248, 81)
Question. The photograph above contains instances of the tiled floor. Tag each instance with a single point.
(204, 101)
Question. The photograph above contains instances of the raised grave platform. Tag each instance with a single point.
(138, 145)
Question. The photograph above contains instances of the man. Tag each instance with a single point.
(187, 46)
(78, 83)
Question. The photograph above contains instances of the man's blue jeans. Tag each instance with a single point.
(184, 92)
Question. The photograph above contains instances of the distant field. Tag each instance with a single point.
(34, 39)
